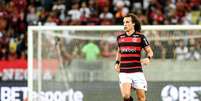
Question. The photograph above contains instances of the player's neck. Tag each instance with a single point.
(130, 32)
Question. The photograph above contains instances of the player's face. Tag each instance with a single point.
(128, 24)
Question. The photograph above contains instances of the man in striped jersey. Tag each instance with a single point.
(128, 59)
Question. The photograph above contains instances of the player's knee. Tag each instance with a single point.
(141, 98)
(126, 97)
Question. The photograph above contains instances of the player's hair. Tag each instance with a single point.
(136, 21)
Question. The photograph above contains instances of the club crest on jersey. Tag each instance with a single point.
(135, 35)
(136, 40)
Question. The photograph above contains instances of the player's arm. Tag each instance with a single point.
(149, 53)
(117, 62)
(148, 50)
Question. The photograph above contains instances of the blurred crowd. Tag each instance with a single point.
(181, 49)
(16, 15)
(168, 48)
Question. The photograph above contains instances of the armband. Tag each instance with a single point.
(149, 57)
(117, 62)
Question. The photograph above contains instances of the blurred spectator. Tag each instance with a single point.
(169, 47)
(141, 17)
(106, 14)
(74, 14)
(187, 19)
(127, 3)
(198, 46)
(50, 21)
(90, 51)
(92, 7)
(121, 11)
(106, 17)
(199, 20)
(106, 50)
(171, 15)
(12, 49)
(158, 17)
(102, 3)
(59, 5)
(42, 15)
(192, 54)
(159, 53)
(3, 24)
(21, 23)
(21, 49)
(59, 9)
(93, 19)
(195, 4)
(85, 13)
(4, 37)
(3, 53)
(32, 18)
(21, 5)
(181, 51)
(181, 8)
(137, 4)
(151, 12)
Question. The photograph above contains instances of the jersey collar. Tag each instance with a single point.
(132, 34)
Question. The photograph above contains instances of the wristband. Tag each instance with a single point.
(149, 57)
(117, 62)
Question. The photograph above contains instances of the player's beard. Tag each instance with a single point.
(126, 29)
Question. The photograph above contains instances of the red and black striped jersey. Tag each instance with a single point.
(130, 51)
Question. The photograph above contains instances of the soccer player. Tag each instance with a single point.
(128, 59)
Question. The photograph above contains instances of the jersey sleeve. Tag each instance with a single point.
(117, 40)
(145, 42)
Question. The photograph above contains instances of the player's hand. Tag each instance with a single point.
(145, 61)
(117, 69)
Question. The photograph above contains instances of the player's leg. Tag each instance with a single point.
(125, 86)
(140, 85)
(126, 91)
(140, 93)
